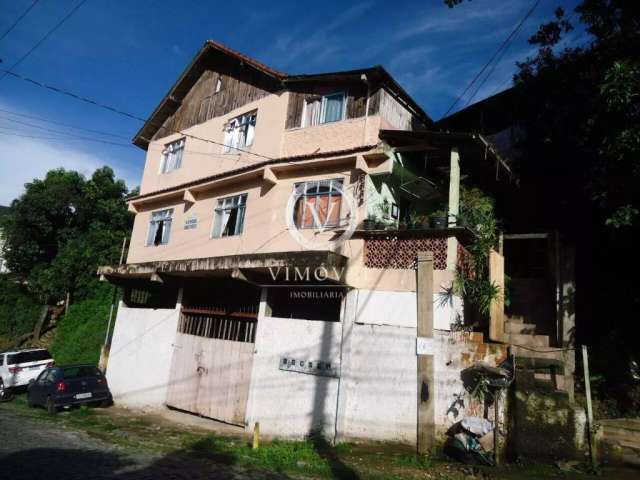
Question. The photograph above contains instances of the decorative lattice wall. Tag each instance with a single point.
(401, 253)
(465, 262)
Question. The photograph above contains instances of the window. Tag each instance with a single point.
(81, 371)
(229, 216)
(239, 132)
(160, 227)
(172, 156)
(319, 204)
(190, 223)
(218, 85)
(326, 109)
(28, 356)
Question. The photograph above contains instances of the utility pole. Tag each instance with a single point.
(424, 351)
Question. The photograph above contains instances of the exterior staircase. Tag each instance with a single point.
(543, 368)
(623, 436)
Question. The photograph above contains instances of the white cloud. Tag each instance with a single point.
(462, 18)
(23, 159)
(320, 43)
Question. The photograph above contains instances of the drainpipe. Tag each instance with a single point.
(364, 78)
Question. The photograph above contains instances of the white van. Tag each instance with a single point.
(18, 367)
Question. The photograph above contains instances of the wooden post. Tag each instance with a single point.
(496, 309)
(256, 436)
(587, 391)
(424, 349)
(115, 293)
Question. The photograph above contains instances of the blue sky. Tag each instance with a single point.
(129, 53)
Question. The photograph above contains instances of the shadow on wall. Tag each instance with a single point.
(57, 463)
(319, 420)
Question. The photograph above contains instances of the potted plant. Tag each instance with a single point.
(369, 223)
(439, 219)
(415, 221)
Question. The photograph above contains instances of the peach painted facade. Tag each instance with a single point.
(265, 228)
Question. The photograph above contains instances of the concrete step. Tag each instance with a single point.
(519, 327)
(625, 423)
(514, 318)
(534, 341)
(625, 429)
(624, 440)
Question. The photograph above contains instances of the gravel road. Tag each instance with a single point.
(32, 450)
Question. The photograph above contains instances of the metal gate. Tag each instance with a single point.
(211, 364)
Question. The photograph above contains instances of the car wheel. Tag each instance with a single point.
(5, 393)
(51, 407)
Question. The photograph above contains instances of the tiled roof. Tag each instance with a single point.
(245, 58)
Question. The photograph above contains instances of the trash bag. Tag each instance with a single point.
(477, 426)
(466, 449)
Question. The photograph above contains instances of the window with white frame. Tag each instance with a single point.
(239, 132)
(160, 227)
(229, 216)
(172, 156)
(324, 109)
(319, 203)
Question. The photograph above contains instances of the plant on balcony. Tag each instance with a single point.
(369, 223)
(477, 211)
(439, 219)
(416, 221)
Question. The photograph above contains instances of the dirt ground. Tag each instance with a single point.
(122, 444)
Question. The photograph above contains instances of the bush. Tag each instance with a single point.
(19, 309)
(80, 332)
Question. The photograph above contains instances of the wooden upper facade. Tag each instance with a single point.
(222, 86)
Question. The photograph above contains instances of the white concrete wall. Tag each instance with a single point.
(291, 404)
(140, 356)
(380, 384)
(378, 307)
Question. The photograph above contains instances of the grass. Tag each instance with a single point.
(309, 458)
(80, 333)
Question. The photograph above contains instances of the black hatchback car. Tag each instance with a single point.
(59, 387)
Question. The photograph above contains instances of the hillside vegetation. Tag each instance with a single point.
(56, 234)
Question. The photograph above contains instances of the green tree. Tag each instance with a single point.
(62, 228)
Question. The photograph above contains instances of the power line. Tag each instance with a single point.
(46, 35)
(19, 19)
(62, 124)
(22, 133)
(60, 132)
(122, 112)
(493, 57)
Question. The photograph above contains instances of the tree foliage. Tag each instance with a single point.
(581, 107)
(62, 228)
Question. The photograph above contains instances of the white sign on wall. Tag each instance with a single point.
(424, 346)
(311, 367)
